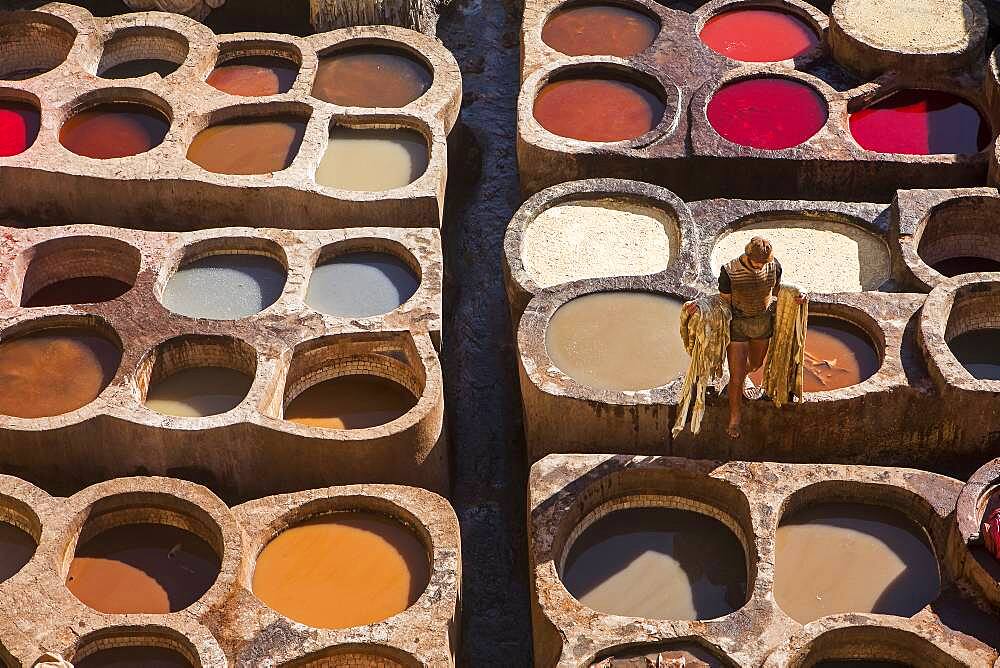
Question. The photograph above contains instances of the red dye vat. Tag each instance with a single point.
(758, 35)
(767, 113)
(600, 30)
(597, 110)
(921, 122)
(114, 130)
(19, 123)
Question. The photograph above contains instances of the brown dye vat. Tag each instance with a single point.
(600, 29)
(139, 68)
(658, 563)
(142, 568)
(82, 290)
(955, 266)
(16, 549)
(979, 352)
(341, 570)
(114, 130)
(248, 146)
(350, 402)
(137, 656)
(618, 340)
(254, 76)
(851, 557)
(371, 77)
(54, 371)
(597, 110)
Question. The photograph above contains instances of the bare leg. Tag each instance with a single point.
(758, 351)
(737, 354)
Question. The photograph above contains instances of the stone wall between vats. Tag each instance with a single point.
(161, 189)
(249, 451)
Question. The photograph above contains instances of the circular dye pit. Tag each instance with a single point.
(371, 77)
(198, 392)
(372, 160)
(225, 287)
(817, 255)
(929, 26)
(140, 68)
(79, 290)
(597, 238)
(16, 549)
(254, 76)
(767, 113)
(54, 371)
(19, 125)
(758, 35)
(142, 568)
(600, 30)
(341, 570)
(956, 266)
(851, 557)
(618, 340)
(597, 110)
(658, 563)
(360, 285)
(248, 146)
(114, 130)
(979, 352)
(134, 656)
(921, 122)
(350, 402)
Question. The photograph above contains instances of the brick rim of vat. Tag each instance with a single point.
(366, 651)
(554, 485)
(723, 659)
(231, 50)
(685, 257)
(53, 20)
(601, 67)
(193, 640)
(135, 30)
(26, 500)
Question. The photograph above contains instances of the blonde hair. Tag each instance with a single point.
(759, 250)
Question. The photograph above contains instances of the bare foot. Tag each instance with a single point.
(733, 431)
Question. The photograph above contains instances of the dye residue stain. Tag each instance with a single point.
(767, 113)
(199, 392)
(921, 122)
(248, 146)
(609, 30)
(846, 557)
(618, 340)
(54, 371)
(81, 290)
(142, 568)
(350, 402)
(597, 110)
(19, 125)
(225, 287)
(359, 285)
(132, 657)
(16, 549)
(253, 76)
(341, 570)
(140, 68)
(658, 563)
(979, 352)
(758, 35)
(371, 77)
(372, 160)
(114, 130)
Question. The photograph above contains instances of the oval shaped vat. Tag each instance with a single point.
(82, 290)
(19, 125)
(114, 130)
(758, 34)
(978, 350)
(987, 505)
(356, 401)
(817, 255)
(852, 557)
(341, 570)
(139, 68)
(361, 284)
(129, 656)
(33, 46)
(77, 270)
(247, 146)
(369, 159)
(137, 51)
(598, 109)
(142, 568)
(598, 238)
(17, 546)
(618, 340)
(660, 654)
(931, 26)
(960, 236)
(254, 76)
(371, 76)
(770, 113)
(225, 286)
(921, 122)
(199, 392)
(55, 370)
(657, 563)
(600, 29)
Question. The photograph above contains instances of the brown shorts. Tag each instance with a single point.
(746, 328)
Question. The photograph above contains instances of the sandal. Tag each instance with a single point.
(751, 391)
